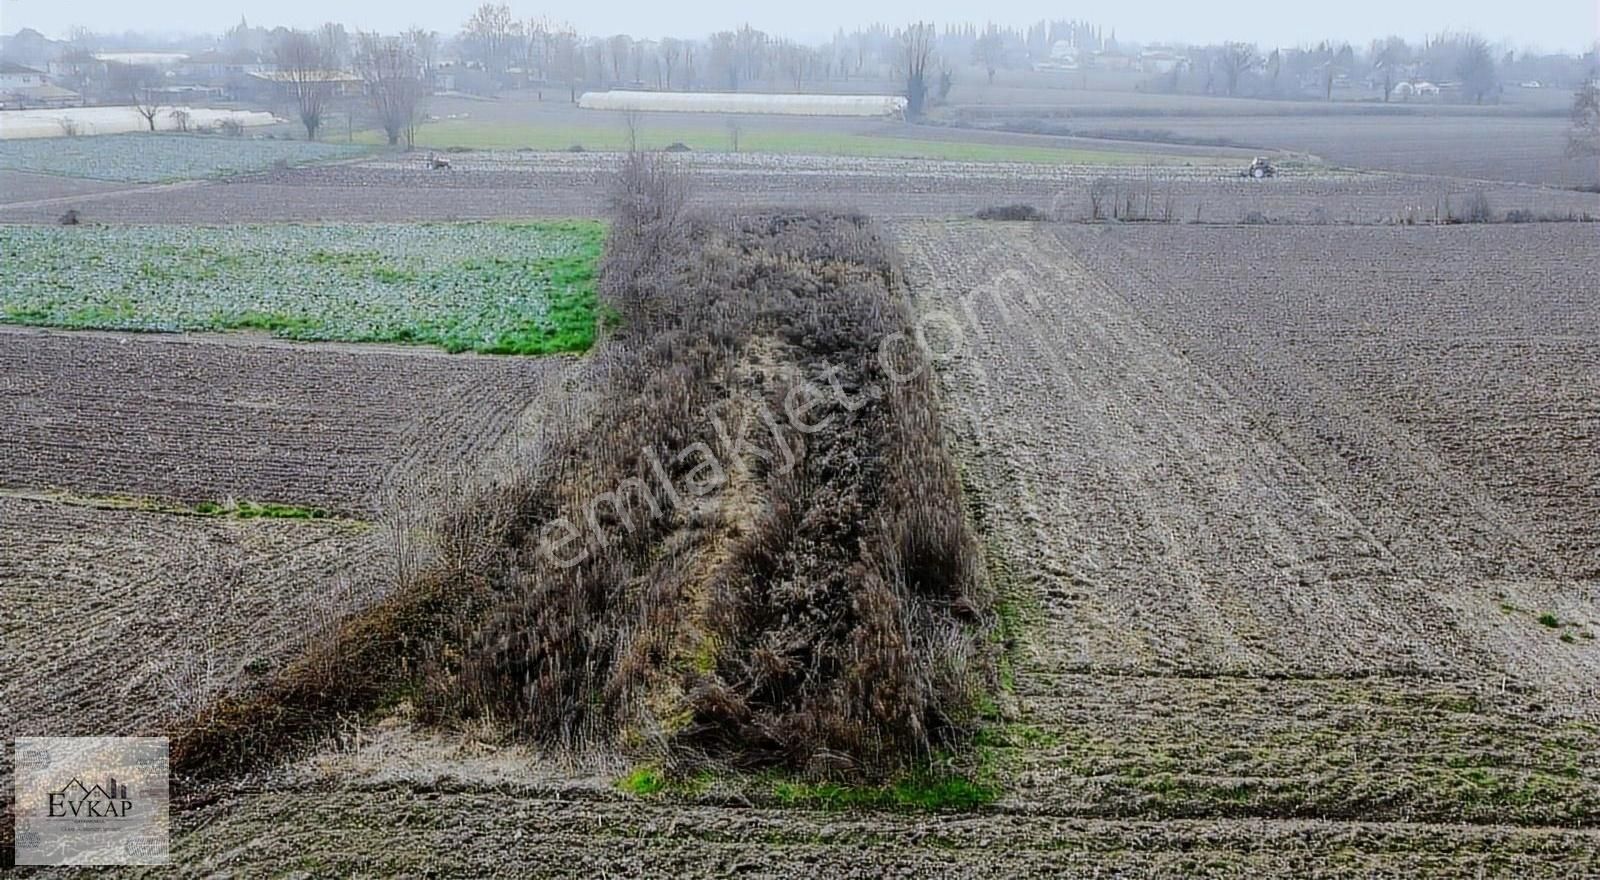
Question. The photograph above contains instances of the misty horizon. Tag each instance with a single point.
(1552, 27)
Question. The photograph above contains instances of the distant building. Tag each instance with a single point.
(16, 76)
(266, 86)
(24, 88)
(1159, 61)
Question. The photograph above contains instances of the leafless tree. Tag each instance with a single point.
(426, 44)
(670, 51)
(916, 50)
(793, 60)
(391, 72)
(1388, 55)
(139, 83)
(1476, 68)
(618, 48)
(632, 126)
(306, 68)
(147, 102)
(180, 119)
(725, 57)
(989, 51)
(750, 48)
(1583, 139)
(488, 35)
(734, 130)
(568, 61)
(1234, 59)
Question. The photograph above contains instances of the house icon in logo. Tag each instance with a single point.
(78, 801)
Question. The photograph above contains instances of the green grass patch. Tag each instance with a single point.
(230, 508)
(495, 288)
(607, 134)
(644, 781)
(256, 510)
(914, 792)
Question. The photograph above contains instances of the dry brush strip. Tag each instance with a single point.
(679, 574)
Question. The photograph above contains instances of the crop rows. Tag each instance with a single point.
(205, 421)
(500, 288)
(119, 622)
(1250, 586)
(1470, 353)
(155, 158)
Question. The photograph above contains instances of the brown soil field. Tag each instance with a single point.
(119, 622)
(1274, 613)
(1469, 353)
(490, 185)
(1227, 625)
(506, 830)
(20, 186)
(206, 418)
(1524, 149)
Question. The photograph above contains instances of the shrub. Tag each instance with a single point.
(1474, 209)
(1011, 212)
(828, 613)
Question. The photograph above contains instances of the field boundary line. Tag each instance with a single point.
(227, 509)
(106, 194)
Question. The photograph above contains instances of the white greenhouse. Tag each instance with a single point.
(116, 120)
(746, 102)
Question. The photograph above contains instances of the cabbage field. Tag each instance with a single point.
(500, 288)
(158, 158)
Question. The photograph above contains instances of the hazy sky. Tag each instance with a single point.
(1548, 24)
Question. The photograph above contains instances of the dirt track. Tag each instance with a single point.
(491, 185)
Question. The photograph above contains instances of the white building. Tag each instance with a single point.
(14, 77)
(746, 102)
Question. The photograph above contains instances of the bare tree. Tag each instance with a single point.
(670, 51)
(487, 37)
(989, 50)
(139, 83)
(793, 59)
(750, 48)
(1583, 139)
(1475, 66)
(1388, 55)
(306, 70)
(618, 48)
(391, 72)
(916, 50)
(147, 101)
(1234, 59)
(725, 57)
(426, 44)
(568, 61)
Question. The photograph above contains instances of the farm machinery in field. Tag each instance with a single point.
(1260, 167)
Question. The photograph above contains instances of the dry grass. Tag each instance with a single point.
(821, 606)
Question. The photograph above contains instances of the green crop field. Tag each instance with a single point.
(511, 136)
(158, 158)
(500, 288)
